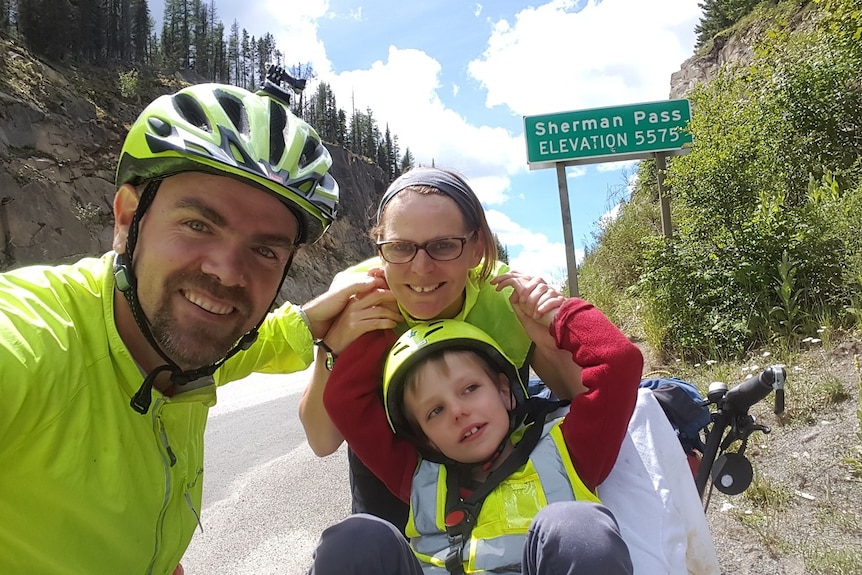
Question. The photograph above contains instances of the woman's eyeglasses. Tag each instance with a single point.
(442, 249)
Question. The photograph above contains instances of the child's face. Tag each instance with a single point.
(462, 410)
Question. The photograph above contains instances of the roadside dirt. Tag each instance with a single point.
(802, 513)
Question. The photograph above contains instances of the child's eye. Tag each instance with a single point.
(435, 412)
(471, 388)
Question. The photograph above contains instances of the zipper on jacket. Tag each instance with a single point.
(167, 445)
(168, 461)
(195, 511)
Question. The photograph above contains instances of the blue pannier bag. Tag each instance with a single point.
(685, 409)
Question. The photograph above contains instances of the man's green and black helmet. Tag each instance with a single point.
(430, 339)
(229, 131)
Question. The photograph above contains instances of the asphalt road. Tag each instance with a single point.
(267, 497)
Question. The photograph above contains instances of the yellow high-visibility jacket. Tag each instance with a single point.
(87, 485)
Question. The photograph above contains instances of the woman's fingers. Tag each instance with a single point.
(363, 313)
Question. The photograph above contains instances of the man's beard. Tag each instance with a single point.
(192, 346)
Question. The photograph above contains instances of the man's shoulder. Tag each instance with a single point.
(356, 270)
(90, 271)
(46, 296)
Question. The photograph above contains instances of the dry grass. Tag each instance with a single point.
(801, 514)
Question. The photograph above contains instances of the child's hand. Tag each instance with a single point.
(532, 297)
(535, 304)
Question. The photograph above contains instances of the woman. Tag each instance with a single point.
(437, 260)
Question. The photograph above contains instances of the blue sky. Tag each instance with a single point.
(454, 80)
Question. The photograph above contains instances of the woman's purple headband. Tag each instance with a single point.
(442, 180)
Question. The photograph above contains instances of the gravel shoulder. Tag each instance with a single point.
(802, 513)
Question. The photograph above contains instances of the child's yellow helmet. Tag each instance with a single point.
(429, 339)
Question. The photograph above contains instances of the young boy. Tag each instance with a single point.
(488, 490)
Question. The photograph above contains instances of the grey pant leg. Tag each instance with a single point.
(575, 538)
(364, 544)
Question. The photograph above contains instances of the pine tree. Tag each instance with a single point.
(407, 161)
(502, 250)
(718, 15)
(140, 30)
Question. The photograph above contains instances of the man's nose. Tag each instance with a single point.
(227, 263)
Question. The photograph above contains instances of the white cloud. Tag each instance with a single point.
(573, 172)
(530, 252)
(609, 53)
(403, 93)
(490, 189)
(629, 165)
(296, 29)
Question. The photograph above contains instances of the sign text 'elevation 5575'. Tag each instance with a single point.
(597, 132)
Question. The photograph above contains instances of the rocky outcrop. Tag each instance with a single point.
(735, 45)
(703, 66)
(56, 185)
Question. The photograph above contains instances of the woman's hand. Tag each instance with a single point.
(369, 311)
(323, 309)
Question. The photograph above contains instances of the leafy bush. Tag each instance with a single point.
(766, 206)
(130, 85)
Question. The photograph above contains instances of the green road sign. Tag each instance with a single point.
(620, 132)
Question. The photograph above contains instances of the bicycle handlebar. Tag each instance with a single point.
(740, 399)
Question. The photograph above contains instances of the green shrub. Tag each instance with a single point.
(130, 85)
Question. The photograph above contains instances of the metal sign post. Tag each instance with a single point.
(571, 262)
(660, 169)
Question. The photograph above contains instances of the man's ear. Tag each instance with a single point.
(125, 204)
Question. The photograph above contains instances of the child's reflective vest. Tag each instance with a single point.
(497, 540)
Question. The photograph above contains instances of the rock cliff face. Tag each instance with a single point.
(703, 66)
(734, 46)
(57, 159)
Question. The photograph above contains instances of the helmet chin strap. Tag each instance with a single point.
(126, 282)
(465, 496)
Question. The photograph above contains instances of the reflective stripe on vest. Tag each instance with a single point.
(497, 540)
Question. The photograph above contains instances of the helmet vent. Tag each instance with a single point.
(237, 154)
(310, 152)
(191, 111)
(277, 132)
(433, 329)
(399, 349)
(200, 150)
(234, 109)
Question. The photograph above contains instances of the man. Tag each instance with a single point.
(108, 366)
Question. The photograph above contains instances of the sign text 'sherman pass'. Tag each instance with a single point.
(618, 131)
